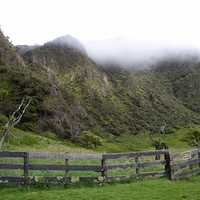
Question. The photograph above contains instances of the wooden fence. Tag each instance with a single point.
(139, 165)
(185, 164)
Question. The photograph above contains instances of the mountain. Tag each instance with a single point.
(69, 41)
(8, 53)
(72, 94)
(21, 49)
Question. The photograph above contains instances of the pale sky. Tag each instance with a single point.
(37, 21)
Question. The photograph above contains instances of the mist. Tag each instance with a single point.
(68, 40)
(126, 52)
(130, 53)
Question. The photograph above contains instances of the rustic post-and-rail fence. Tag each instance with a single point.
(141, 164)
(185, 164)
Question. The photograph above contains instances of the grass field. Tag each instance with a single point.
(154, 189)
(150, 189)
(29, 141)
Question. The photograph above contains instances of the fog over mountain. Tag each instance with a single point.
(128, 52)
(125, 52)
(68, 40)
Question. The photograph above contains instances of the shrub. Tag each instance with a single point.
(171, 131)
(193, 138)
(3, 93)
(3, 119)
(158, 144)
(89, 139)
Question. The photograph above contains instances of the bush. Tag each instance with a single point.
(89, 139)
(3, 119)
(171, 131)
(193, 138)
(158, 144)
(3, 93)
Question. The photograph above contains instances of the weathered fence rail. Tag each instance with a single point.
(185, 164)
(141, 164)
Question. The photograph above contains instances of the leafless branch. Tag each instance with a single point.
(15, 119)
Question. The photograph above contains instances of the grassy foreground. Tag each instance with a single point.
(30, 141)
(150, 189)
(159, 189)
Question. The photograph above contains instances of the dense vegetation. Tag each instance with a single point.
(73, 96)
(179, 139)
(99, 108)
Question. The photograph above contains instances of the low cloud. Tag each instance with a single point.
(130, 53)
(69, 41)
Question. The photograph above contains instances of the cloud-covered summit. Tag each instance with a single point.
(137, 54)
(68, 40)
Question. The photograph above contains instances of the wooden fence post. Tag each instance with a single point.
(103, 168)
(157, 156)
(26, 167)
(66, 169)
(137, 167)
(199, 155)
(168, 169)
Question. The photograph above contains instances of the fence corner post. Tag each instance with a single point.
(168, 169)
(103, 168)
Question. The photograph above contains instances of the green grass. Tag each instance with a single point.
(159, 189)
(154, 189)
(29, 141)
(141, 142)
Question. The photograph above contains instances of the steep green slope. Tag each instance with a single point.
(184, 77)
(72, 94)
(75, 82)
(150, 101)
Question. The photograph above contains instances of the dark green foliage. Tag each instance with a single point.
(170, 131)
(89, 139)
(19, 83)
(193, 138)
(158, 144)
(3, 119)
(71, 93)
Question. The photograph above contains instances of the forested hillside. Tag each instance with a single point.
(73, 95)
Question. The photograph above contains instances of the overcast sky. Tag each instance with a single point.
(37, 21)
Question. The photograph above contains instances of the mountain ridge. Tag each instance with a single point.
(73, 94)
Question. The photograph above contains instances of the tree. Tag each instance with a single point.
(15, 119)
(162, 128)
(158, 145)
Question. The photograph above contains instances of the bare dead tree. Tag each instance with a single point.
(163, 128)
(14, 119)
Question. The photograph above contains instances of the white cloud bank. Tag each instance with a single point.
(138, 54)
(149, 27)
